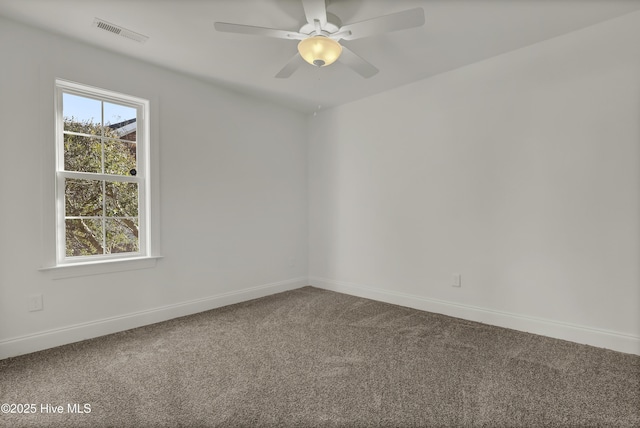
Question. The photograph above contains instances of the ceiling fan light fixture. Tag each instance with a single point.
(319, 50)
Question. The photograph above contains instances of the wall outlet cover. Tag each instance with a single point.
(35, 302)
(456, 280)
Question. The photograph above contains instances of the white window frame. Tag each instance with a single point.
(142, 178)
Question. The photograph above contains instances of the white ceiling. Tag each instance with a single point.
(182, 38)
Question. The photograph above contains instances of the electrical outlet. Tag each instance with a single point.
(456, 280)
(35, 302)
(292, 261)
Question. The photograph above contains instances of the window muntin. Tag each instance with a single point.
(102, 175)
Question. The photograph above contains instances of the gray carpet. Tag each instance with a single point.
(315, 358)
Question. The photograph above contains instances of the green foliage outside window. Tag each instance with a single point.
(101, 215)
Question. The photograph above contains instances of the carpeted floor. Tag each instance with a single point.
(309, 358)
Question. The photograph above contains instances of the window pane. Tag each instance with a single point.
(83, 197)
(84, 237)
(98, 178)
(119, 158)
(122, 235)
(121, 199)
(81, 114)
(82, 154)
(121, 120)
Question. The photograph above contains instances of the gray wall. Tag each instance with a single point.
(232, 196)
(521, 172)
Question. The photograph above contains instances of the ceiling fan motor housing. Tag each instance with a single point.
(333, 25)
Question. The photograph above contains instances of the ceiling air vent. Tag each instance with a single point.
(120, 31)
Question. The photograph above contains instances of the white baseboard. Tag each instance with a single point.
(574, 333)
(61, 336)
(75, 333)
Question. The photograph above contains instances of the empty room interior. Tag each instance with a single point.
(320, 213)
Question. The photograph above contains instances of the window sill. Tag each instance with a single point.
(72, 270)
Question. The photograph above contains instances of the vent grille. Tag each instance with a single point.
(120, 31)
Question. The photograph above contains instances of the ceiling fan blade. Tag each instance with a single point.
(291, 66)
(384, 24)
(356, 63)
(258, 31)
(315, 10)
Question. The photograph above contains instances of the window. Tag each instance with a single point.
(102, 175)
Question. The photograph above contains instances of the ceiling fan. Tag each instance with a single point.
(319, 37)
